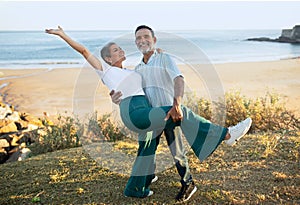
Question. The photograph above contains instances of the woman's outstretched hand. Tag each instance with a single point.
(59, 31)
(93, 60)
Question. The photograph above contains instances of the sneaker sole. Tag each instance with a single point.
(191, 194)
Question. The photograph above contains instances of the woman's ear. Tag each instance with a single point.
(108, 60)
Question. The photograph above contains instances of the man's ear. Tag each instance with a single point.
(154, 40)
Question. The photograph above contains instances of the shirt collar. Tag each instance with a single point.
(150, 59)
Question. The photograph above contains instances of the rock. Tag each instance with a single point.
(31, 119)
(32, 127)
(25, 153)
(27, 138)
(15, 140)
(19, 154)
(22, 125)
(17, 130)
(14, 116)
(3, 155)
(4, 110)
(283, 39)
(4, 122)
(14, 155)
(13, 146)
(4, 143)
(287, 36)
(11, 127)
(259, 39)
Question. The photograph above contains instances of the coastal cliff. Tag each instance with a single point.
(287, 36)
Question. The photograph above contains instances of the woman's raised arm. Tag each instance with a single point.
(93, 60)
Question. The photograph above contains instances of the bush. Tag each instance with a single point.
(104, 129)
(268, 113)
(64, 134)
(201, 106)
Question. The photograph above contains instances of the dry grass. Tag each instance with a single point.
(261, 169)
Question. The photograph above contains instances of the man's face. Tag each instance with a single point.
(144, 40)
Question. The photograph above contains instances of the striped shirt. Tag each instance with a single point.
(158, 78)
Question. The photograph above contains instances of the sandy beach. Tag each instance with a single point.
(57, 91)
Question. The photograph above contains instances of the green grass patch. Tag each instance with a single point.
(230, 176)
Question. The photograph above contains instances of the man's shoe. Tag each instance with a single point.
(154, 179)
(238, 131)
(186, 192)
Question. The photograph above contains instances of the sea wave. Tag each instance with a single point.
(41, 64)
(23, 76)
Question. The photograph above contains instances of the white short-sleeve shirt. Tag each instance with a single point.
(128, 82)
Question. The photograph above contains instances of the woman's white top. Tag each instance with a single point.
(128, 82)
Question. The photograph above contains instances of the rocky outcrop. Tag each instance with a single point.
(17, 131)
(287, 36)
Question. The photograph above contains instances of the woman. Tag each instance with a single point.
(137, 114)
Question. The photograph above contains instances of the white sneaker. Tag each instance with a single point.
(154, 179)
(150, 193)
(238, 131)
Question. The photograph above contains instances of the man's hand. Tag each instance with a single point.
(115, 96)
(175, 113)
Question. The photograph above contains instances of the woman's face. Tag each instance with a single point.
(117, 55)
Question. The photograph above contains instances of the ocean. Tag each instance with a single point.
(36, 49)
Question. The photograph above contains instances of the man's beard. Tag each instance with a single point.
(144, 51)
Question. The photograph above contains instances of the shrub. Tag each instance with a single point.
(268, 112)
(64, 134)
(104, 129)
(200, 106)
(68, 132)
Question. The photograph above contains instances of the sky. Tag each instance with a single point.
(163, 16)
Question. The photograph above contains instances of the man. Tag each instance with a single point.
(164, 86)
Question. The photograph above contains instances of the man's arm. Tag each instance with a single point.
(175, 112)
(178, 89)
